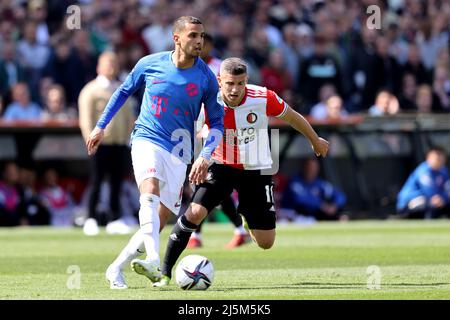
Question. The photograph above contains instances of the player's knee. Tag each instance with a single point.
(266, 243)
(196, 213)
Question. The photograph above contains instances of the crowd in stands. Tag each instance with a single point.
(320, 56)
(303, 50)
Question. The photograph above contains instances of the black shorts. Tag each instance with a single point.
(255, 192)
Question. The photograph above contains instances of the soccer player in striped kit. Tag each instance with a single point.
(176, 84)
(239, 161)
(228, 205)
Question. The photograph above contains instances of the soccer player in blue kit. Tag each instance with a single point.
(176, 84)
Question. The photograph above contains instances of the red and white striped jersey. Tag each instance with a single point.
(245, 143)
(214, 64)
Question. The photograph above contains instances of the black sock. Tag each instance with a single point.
(178, 240)
(199, 228)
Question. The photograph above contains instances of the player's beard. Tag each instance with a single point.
(192, 52)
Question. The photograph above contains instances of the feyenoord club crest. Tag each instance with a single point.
(252, 117)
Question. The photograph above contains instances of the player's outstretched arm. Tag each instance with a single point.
(94, 139)
(299, 123)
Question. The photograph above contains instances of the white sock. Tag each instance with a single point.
(196, 235)
(240, 231)
(133, 249)
(149, 222)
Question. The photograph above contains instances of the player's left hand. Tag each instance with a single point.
(199, 171)
(320, 147)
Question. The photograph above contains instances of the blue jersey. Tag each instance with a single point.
(427, 182)
(308, 197)
(171, 104)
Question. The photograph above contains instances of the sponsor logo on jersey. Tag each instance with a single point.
(191, 89)
(252, 117)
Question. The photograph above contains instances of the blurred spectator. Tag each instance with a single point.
(432, 37)
(10, 214)
(319, 69)
(129, 206)
(92, 101)
(334, 109)
(33, 56)
(37, 12)
(441, 90)
(424, 99)
(207, 55)
(131, 30)
(31, 204)
(318, 111)
(305, 44)
(398, 46)
(99, 31)
(83, 63)
(362, 66)
(258, 48)
(59, 68)
(284, 13)
(44, 86)
(22, 108)
(274, 75)
(261, 22)
(8, 31)
(308, 195)
(11, 72)
(57, 200)
(407, 98)
(290, 53)
(158, 35)
(388, 71)
(415, 66)
(426, 193)
(55, 107)
(385, 104)
(443, 59)
(115, 39)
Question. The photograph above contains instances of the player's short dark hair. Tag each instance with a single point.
(181, 23)
(233, 66)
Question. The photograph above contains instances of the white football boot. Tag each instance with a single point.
(148, 268)
(115, 278)
(117, 227)
(90, 227)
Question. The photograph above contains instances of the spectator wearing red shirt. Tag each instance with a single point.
(274, 75)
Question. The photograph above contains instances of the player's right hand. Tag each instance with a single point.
(437, 201)
(320, 147)
(94, 140)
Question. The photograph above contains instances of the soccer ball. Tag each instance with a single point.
(194, 272)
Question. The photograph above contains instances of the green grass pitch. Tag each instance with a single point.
(322, 261)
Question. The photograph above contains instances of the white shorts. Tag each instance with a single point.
(150, 160)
